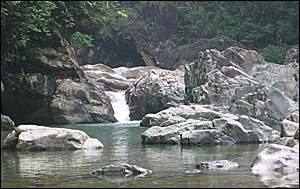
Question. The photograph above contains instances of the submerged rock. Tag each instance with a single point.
(33, 137)
(122, 169)
(193, 171)
(218, 164)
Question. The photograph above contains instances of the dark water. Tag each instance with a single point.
(122, 143)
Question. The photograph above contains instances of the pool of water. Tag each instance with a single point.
(122, 143)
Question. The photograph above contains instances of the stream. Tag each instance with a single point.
(122, 143)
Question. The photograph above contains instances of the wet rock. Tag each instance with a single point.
(154, 91)
(122, 169)
(218, 164)
(33, 137)
(6, 123)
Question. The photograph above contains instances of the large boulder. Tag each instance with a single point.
(201, 125)
(233, 78)
(33, 137)
(81, 103)
(154, 91)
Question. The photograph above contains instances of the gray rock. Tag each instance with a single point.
(278, 166)
(122, 169)
(110, 78)
(169, 56)
(289, 128)
(33, 137)
(197, 125)
(218, 164)
(154, 91)
(292, 55)
(6, 123)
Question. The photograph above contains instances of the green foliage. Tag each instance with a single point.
(81, 40)
(274, 54)
(253, 23)
(29, 24)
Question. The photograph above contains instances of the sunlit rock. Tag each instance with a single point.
(33, 137)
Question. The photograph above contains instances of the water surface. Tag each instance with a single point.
(122, 143)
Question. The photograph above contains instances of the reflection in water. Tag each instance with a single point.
(122, 143)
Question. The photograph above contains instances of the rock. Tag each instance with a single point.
(278, 166)
(6, 123)
(33, 137)
(122, 169)
(274, 137)
(168, 56)
(182, 113)
(294, 116)
(283, 77)
(199, 125)
(76, 102)
(296, 136)
(218, 164)
(289, 128)
(245, 59)
(213, 76)
(292, 55)
(133, 73)
(56, 91)
(110, 79)
(154, 91)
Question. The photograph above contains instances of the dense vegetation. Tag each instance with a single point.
(29, 24)
(271, 27)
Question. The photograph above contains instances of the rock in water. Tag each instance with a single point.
(218, 164)
(33, 137)
(122, 169)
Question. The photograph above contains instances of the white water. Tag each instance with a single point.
(119, 105)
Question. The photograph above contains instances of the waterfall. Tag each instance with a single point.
(119, 105)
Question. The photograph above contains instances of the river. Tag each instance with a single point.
(122, 143)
